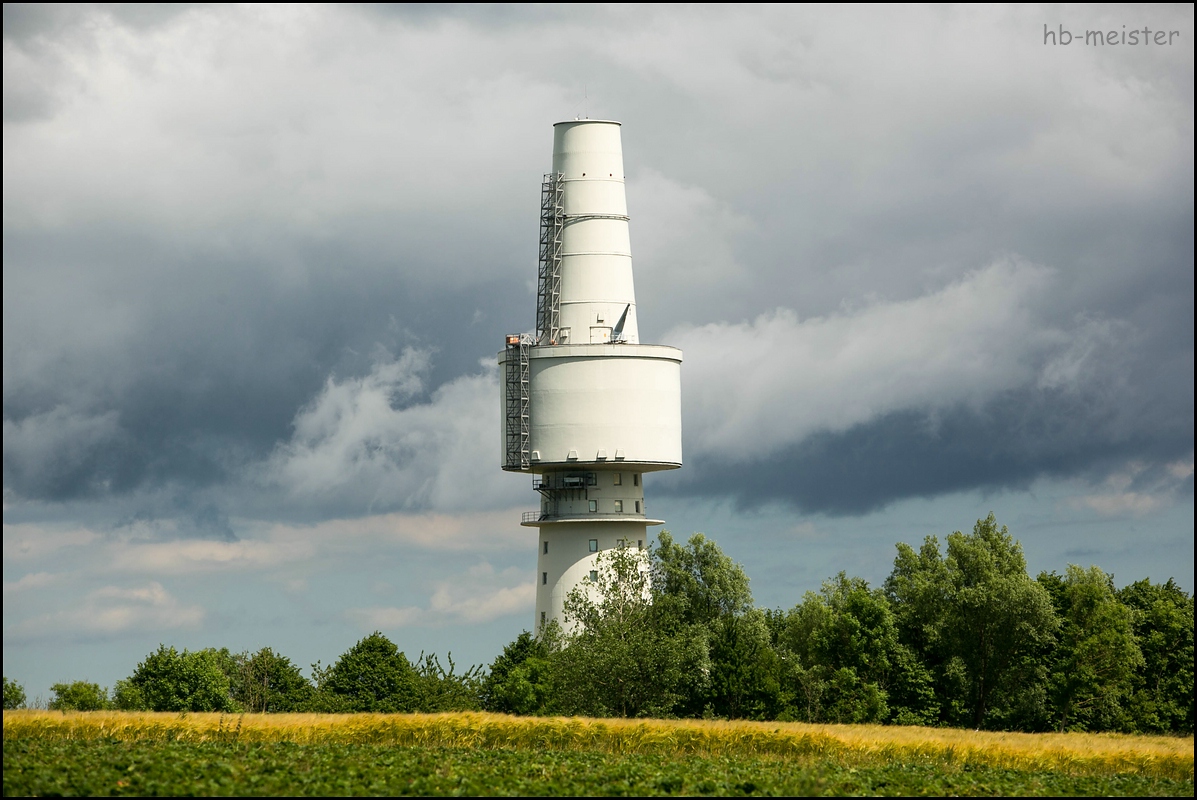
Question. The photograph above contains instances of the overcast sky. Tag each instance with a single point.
(924, 264)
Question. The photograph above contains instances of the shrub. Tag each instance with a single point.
(14, 695)
(78, 696)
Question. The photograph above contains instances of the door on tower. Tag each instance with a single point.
(600, 335)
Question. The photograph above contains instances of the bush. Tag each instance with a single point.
(267, 681)
(78, 696)
(14, 695)
(438, 689)
(188, 681)
(127, 696)
(370, 676)
(518, 681)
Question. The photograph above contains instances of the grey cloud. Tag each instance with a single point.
(488, 15)
(757, 387)
(194, 245)
(59, 453)
(1015, 439)
(25, 21)
(110, 611)
(175, 513)
(210, 360)
(43, 43)
(1019, 405)
(360, 446)
(28, 102)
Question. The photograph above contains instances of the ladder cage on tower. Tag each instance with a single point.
(518, 401)
(548, 293)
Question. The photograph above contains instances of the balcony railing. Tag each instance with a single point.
(539, 516)
(564, 482)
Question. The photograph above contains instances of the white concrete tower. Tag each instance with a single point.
(587, 409)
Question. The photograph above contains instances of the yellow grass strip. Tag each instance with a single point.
(1071, 753)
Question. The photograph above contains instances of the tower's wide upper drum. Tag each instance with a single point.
(606, 403)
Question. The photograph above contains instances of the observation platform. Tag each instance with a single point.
(535, 519)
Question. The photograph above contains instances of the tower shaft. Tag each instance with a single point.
(588, 410)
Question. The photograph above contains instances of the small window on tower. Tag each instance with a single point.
(594, 576)
(542, 619)
(619, 506)
(594, 505)
(637, 506)
(594, 545)
(617, 479)
(546, 548)
(591, 479)
(639, 544)
(544, 579)
(635, 478)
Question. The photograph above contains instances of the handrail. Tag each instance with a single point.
(537, 516)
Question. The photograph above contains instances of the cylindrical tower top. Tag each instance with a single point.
(590, 149)
(598, 299)
(590, 146)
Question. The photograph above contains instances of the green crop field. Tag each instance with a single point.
(110, 753)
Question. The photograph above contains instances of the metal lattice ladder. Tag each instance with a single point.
(518, 399)
(548, 292)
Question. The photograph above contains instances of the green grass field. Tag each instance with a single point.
(108, 753)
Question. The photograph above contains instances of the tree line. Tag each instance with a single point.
(960, 636)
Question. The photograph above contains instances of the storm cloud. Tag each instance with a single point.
(214, 216)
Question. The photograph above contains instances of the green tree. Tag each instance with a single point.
(911, 689)
(1096, 657)
(700, 599)
(127, 696)
(696, 583)
(169, 680)
(1162, 617)
(78, 696)
(373, 675)
(843, 644)
(745, 670)
(617, 661)
(518, 681)
(438, 689)
(858, 630)
(267, 681)
(14, 695)
(978, 618)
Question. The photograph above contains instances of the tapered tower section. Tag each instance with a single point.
(587, 409)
